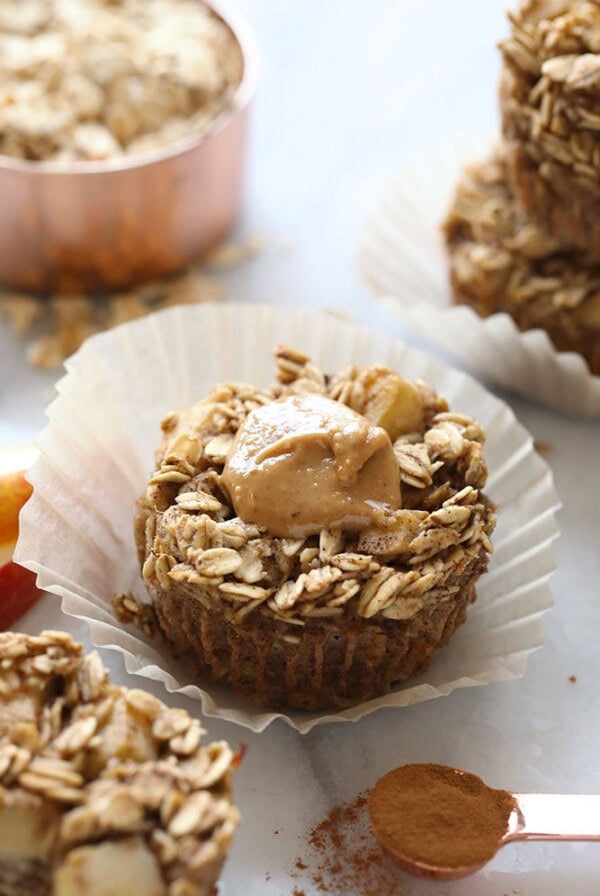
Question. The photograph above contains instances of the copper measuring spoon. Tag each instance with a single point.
(535, 816)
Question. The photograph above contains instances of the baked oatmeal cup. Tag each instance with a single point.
(103, 789)
(314, 543)
(501, 262)
(550, 103)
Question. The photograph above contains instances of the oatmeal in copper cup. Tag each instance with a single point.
(103, 789)
(122, 138)
(316, 542)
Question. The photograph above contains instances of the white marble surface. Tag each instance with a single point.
(350, 89)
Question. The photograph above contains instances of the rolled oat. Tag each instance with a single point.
(105, 764)
(550, 102)
(97, 79)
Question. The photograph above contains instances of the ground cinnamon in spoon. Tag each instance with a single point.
(438, 816)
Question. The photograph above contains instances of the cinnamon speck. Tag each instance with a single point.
(573, 679)
(542, 448)
(341, 856)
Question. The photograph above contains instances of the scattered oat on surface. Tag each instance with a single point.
(55, 326)
(286, 243)
(129, 610)
(99, 774)
(229, 255)
(96, 79)
(58, 325)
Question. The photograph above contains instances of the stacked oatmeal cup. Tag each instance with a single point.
(523, 234)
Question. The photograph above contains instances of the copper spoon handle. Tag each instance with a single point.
(554, 816)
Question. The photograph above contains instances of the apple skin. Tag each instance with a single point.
(18, 590)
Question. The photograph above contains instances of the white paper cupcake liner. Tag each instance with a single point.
(402, 261)
(97, 451)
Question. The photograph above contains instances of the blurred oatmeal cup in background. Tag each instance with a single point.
(122, 139)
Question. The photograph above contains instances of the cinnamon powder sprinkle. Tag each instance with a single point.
(342, 856)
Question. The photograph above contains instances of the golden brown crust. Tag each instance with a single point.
(335, 664)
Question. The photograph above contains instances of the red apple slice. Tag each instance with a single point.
(18, 592)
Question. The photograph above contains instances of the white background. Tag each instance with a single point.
(349, 89)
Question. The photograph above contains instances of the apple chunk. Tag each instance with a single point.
(14, 491)
(110, 869)
(17, 585)
(28, 826)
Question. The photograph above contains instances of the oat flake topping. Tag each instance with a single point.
(97, 778)
(193, 538)
(550, 89)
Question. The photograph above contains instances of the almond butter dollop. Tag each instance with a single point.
(305, 463)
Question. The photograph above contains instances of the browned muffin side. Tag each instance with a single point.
(501, 262)
(333, 618)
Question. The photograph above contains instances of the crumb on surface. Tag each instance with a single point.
(54, 326)
(340, 855)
